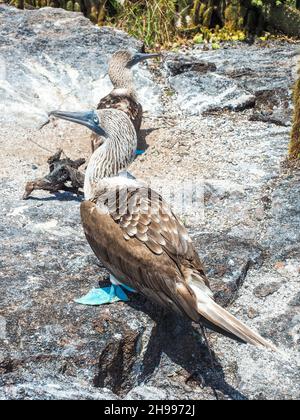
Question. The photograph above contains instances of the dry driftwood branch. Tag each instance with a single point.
(64, 175)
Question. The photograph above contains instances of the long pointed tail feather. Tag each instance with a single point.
(224, 321)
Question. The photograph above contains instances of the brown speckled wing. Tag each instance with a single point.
(126, 104)
(159, 261)
(148, 218)
(140, 251)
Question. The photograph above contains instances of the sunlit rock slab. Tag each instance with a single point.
(51, 58)
(235, 79)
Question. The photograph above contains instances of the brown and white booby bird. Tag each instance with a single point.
(138, 238)
(123, 96)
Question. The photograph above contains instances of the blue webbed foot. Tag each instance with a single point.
(117, 294)
(139, 152)
(104, 295)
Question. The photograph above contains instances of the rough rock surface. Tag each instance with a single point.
(47, 64)
(244, 220)
(239, 81)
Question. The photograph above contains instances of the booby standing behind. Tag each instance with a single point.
(123, 96)
(138, 238)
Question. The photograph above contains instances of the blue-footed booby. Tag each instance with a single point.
(124, 96)
(136, 235)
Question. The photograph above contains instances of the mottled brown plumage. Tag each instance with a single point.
(144, 245)
(126, 103)
(151, 252)
(138, 238)
(123, 96)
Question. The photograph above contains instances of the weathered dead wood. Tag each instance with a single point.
(64, 175)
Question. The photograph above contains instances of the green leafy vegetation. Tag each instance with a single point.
(169, 23)
(153, 21)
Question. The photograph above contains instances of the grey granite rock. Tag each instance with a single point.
(264, 290)
(51, 58)
(242, 78)
(198, 93)
(52, 348)
(181, 63)
(273, 106)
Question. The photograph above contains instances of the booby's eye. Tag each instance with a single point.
(96, 120)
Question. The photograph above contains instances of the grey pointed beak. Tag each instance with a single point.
(139, 57)
(89, 119)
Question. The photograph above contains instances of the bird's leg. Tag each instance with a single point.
(114, 293)
(117, 283)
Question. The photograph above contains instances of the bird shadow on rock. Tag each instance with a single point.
(142, 138)
(59, 196)
(183, 343)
